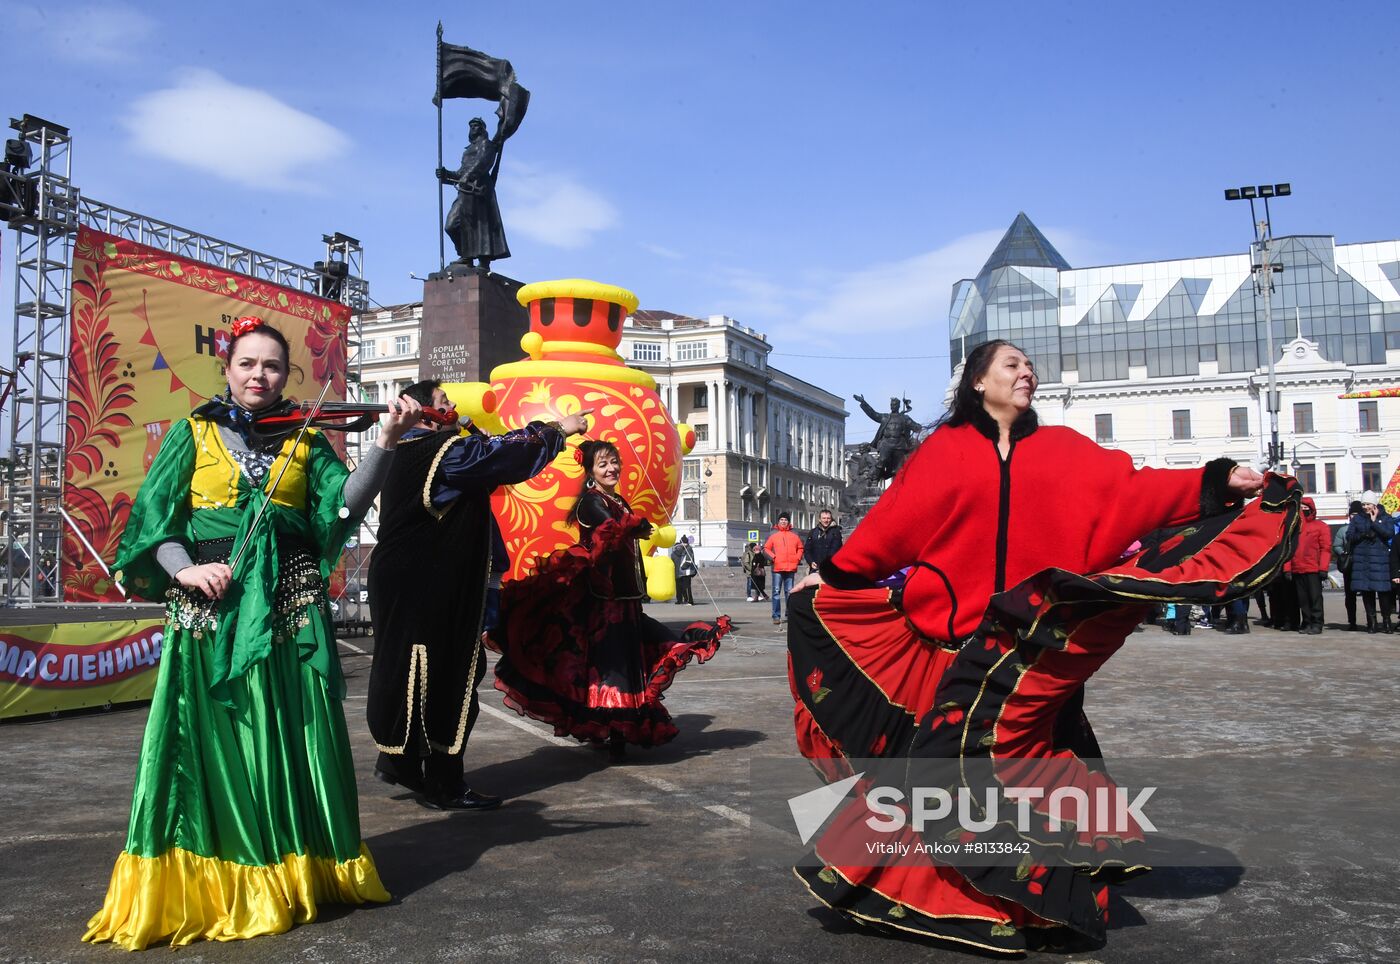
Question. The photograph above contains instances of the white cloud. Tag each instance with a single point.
(552, 208)
(661, 251)
(106, 34)
(241, 134)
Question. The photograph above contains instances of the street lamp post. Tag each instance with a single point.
(1264, 270)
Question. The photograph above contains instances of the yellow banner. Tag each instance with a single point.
(150, 335)
(70, 666)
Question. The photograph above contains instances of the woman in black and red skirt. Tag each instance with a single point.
(980, 656)
(577, 651)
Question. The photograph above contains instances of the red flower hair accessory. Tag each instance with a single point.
(245, 324)
(578, 454)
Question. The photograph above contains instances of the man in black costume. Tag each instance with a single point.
(474, 221)
(431, 577)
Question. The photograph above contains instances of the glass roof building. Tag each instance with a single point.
(1177, 318)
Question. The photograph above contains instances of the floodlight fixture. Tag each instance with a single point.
(1249, 192)
(1232, 194)
(1283, 190)
(1266, 190)
(18, 155)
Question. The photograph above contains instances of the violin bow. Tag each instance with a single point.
(267, 492)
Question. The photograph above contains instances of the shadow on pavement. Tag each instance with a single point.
(418, 855)
(695, 740)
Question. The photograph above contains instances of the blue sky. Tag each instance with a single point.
(821, 174)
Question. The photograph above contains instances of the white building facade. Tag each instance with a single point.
(766, 441)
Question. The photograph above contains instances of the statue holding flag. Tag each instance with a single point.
(474, 221)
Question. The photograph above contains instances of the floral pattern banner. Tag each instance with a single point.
(150, 332)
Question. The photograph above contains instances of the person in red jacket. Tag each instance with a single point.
(981, 655)
(1311, 560)
(785, 548)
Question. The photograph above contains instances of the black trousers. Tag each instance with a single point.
(1309, 585)
(439, 771)
(1349, 595)
(683, 592)
(1283, 602)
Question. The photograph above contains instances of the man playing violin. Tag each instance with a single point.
(437, 533)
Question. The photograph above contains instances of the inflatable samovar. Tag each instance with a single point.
(573, 364)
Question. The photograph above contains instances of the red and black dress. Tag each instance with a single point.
(1017, 592)
(578, 652)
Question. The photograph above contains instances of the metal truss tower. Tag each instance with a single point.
(44, 226)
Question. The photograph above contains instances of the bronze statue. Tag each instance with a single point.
(474, 221)
(881, 457)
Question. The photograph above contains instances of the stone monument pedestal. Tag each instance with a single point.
(471, 324)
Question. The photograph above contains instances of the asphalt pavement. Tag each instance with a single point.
(653, 860)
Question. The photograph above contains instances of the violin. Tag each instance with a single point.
(288, 416)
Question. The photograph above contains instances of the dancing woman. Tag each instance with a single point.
(577, 651)
(981, 656)
(244, 817)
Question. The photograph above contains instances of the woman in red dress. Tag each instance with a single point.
(577, 651)
(981, 656)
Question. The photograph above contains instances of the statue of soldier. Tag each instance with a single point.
(893, 440)
(474, 221)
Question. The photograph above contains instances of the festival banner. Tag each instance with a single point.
(149, 339)
(70, 666)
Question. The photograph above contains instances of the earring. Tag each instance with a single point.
(590, 483)
(981, 388)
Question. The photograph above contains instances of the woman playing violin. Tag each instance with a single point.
(244, 817)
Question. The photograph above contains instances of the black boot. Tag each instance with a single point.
(1371, 623)
(1385, 623)
(1239, 626)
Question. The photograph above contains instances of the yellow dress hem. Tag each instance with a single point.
(181, 897)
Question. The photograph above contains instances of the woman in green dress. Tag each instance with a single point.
(244, 817)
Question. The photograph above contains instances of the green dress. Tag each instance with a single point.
(245, 816)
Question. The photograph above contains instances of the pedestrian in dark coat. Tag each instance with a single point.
(1368, 536)
(822, 541)
(1341, 553)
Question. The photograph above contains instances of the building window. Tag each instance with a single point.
(1239, 423)
(646, 351)
(690, 470)
(1369, 419)
(370, 393)
(692, 350)
(369, 349)
(1181, 423)
(702, 396)
(403, 344)
(1329, 473)
(702, 432)
(1307, 478)
(1371, 476)
(1103, 428)
(1302, 418)
(691, 507)
(789, 485)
